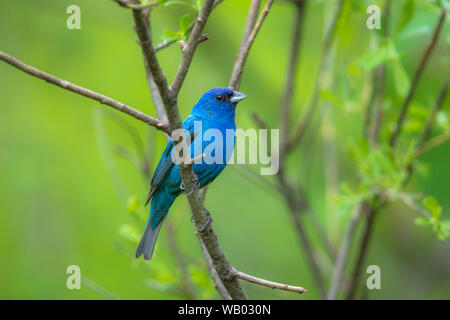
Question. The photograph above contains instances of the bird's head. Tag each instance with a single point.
(218, 104)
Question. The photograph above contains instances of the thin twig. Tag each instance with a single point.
(191, 46)
(127, 4)
(290, 83)
(98, 289)
(376, 97)
(343, 253)
(263, 282)
(381, 77)
(427, 128)
(370, 213)
(242, 57)
(249, 25)
(433, 143)
(212, 271)
(417, 76)
(158, 124)
(295, 203)
(327, 45)
(187, 285)
(295, 208)
(432, 118)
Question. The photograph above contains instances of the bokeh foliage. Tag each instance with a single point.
(66, 197)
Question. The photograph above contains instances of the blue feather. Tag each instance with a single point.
(215, 110)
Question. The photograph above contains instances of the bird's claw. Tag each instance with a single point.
(196, 183)
(207, 223)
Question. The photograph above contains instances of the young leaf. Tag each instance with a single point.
(185, 21)
(180, 2)
(422, 221)
(401, 78)
(170, 35)
(433, 206)
(373, 58)
(407, 14)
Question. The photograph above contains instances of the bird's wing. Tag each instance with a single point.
(165, 163)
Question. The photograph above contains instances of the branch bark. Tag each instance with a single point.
(267, 283)
(169, 98)
(120, 106)
(343, 253)
(249, 25)
(244, 50)
(290, 83)
(417, 76)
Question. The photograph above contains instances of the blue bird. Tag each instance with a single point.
(214, 113)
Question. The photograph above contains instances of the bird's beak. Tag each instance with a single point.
(237, 96)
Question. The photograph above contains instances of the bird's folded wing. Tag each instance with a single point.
(165, 163)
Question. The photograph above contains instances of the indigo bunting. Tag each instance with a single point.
(212, 115)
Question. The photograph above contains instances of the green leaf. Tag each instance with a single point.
(170, 35)
(133, 204)
(401, 78)
(422, 221)
(385, 52)
(442, 119)
(433, 206)
(413, 126)
(184, 23)
(418, 111)
(198, 5)
(180, 2)
(406, 16)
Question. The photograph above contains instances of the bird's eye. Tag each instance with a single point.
(219, 97)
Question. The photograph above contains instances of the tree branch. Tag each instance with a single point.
(187, 285)
(381, 76)
(294, 208)
(127, 4)
(158, 124)
(249, 25)
(343, 253)
(432, 118)
(417, 75)
(372, 135)
(212, 271)
(169, 99)
(327, 44)
(286, 101)
(370, 213)
(244, 50)
(191, 46)
(267, 283)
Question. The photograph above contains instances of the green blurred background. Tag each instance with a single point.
(67, 199)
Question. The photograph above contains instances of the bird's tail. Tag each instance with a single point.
(148, 241)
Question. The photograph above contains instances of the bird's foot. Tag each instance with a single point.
(196, 183)
(207, 223)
